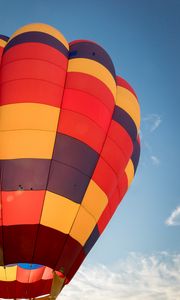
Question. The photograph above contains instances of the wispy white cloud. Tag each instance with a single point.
(150, 123)
(155, 160)
(174, 218)
(138, 277)
(153, 121)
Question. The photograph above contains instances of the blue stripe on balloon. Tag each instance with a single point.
(30, 266)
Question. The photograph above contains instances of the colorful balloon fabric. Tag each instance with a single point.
(69, 149)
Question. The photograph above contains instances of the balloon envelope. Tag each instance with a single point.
(69, 149)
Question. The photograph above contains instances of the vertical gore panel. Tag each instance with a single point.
(104, 219)
(123, 186)
(136, 154)
(95, 200)
(21, 289)
(69, 254)
(67, 181)
(23, 275)
(127, 100)
(36, 274)
(75, 153)
(86, 115)
(7, 289)
(129, 172)
(91, 240)
(105, 177)
(49, 245)
(114, 201)
(19, 243)
(82, 226)
(120, 136)
(3, 289)
(114, 156)
(44, 288)
(76, 265)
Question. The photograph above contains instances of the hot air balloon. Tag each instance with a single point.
(69, 149)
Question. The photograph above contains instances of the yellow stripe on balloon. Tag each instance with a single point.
(83, 226)
(2, 274)
(129, 172)
(127, 101)
(93, 68)
(58, 212)
(40, 27)
(2, 43)
(28, 116)
(26, 144)
(95, 200)
(11, 273)
(8, 273)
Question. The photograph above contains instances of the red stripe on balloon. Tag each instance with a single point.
(122, 82)
(105, 177)
(81, 128)
(31, 91)
(87, 105)
(92, 86)
(36, 51)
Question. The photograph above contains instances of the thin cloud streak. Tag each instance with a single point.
(150, 123)
(153, 121)
(155, 160)
(138, 277)
(174, 218)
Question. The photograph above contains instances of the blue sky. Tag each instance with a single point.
(143, 40)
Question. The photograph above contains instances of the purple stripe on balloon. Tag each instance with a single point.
(4, 37)
(92, 51)
(124, 119)
(37, 37)
(67, 181)
(24, 174)
(75, 153)
(91, 240)
(135, 155)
